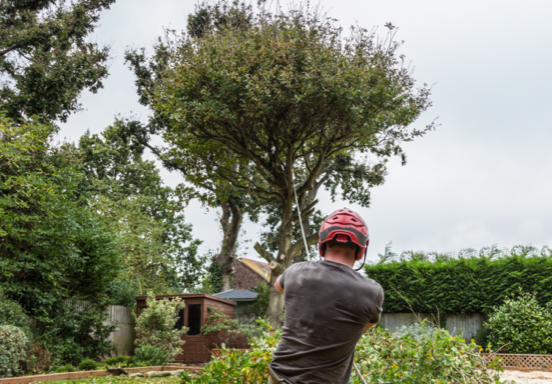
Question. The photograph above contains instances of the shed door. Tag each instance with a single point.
(194, 319)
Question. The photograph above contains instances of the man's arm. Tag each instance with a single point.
(278, 286)
(367, 327)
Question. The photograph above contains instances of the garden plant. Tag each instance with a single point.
(430, 355)
(521, 325)
(155, 327)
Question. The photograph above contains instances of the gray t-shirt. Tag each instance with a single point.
(327, 306)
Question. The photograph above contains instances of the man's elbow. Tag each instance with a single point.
(279, 287)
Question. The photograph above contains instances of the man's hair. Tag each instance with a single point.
(333, 243)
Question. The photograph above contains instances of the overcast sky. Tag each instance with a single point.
(482, 178)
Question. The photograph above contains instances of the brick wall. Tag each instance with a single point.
(244, 277)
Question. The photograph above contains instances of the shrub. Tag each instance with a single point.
(88, 365)
(155, 325)
(65, 368)
(11, 313)
(38, 359)
(78, 331)
(149, 355)
(117, 360)
(474, 284)
(426, 355)
(13, 347)
(436, 357)
(521, 325)
(222, 330)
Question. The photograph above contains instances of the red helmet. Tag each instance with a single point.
(344, 226)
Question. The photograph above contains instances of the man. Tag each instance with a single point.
(328, 307)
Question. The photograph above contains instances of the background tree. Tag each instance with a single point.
(45, 58)
(204, 184)
(55, 250)
(286, 97)
(157, 247)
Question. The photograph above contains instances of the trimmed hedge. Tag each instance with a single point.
(461, 286)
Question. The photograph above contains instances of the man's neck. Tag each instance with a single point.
(340, 258)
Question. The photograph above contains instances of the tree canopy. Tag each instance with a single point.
(287, 97)
(158, 251)
(45, 58)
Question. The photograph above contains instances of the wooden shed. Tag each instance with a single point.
(194, 316)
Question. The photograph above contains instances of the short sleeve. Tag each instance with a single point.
(378, 304)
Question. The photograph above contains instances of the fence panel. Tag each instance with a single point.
(123, 337)
(465, 325)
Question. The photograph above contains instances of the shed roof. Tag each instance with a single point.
(260, 268)
(238, 295)
(190, 296)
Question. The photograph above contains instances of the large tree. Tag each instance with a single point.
(202, 183)
(45, 58)
(286, 97)
(55, 250)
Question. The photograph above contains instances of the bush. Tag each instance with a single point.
(11, 313)
(117, 360)
(436, 357)
(155, 325)
(149, 355)
(65, 368)
(474, 284)
(220, 330)
(77, 331)
(88, 365)
(13, 347)
(521, 325)
(424, 355)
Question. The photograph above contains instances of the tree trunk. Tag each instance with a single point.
(230, 222)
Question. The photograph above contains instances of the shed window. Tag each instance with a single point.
(194, 319)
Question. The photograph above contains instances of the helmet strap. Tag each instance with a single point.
(363, 260)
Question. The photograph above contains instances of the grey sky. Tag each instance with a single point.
(482, 178)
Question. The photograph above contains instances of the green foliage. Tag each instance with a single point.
(521, 325)
(13, 348)
(53, 247)
(77, 331)
(149, 355)
(158, 251)
(88, 365)
(222, 330)
(214, 274)
(117, 360)
(65, 368)
(11, 313)
(46, 59)
(469, 283)
(240, 366)
(155, 325)
(431, 356)
(259, 307)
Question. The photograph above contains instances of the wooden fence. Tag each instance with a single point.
(123, 336)
(465, 325)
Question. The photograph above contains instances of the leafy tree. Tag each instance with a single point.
(205, 185)
(53, 247)
(158, 250)
(286, 97)
(45, 58)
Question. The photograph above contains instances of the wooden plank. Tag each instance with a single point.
(85, 374)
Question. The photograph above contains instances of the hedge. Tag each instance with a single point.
(461, 286)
